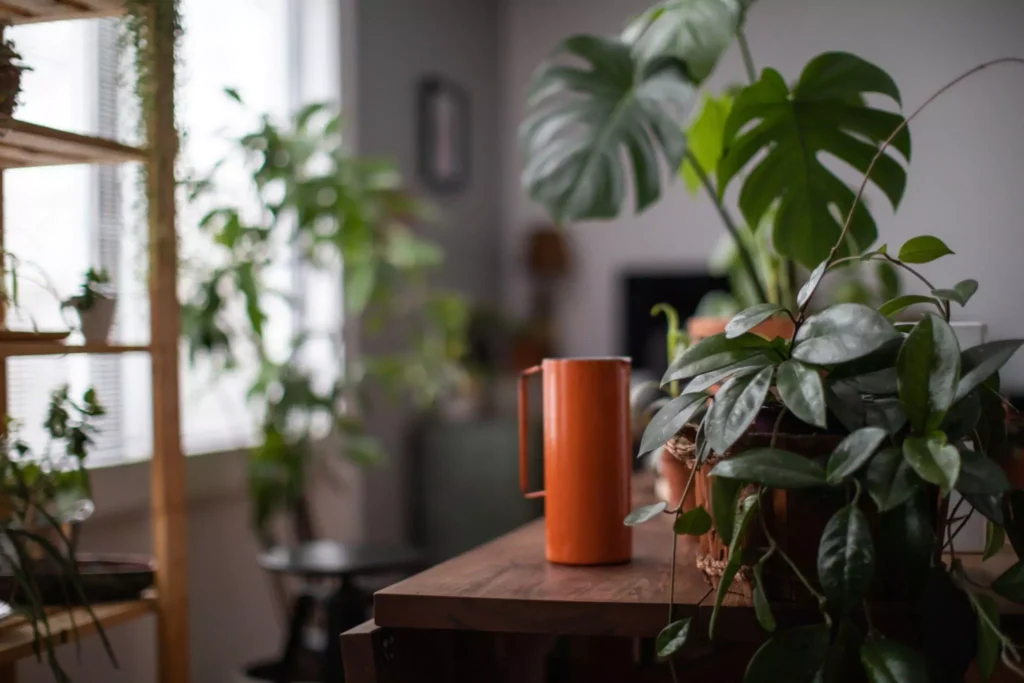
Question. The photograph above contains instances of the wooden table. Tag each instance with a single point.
(495, 608)
(502, 604)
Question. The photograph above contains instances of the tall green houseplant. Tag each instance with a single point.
(321, 208)
(605, 122)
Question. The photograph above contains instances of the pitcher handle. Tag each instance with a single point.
(524, 432)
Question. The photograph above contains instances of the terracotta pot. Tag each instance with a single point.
(675, 473)
(701, 328)
(796, 519)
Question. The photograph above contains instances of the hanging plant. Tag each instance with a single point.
(11, 68)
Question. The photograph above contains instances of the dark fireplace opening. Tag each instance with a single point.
(643, 336)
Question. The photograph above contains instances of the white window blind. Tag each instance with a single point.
(278, 54)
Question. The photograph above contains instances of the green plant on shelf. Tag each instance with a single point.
(41, 494)
(94, 286)
(631, 105)
(320, 207)
(12, 66)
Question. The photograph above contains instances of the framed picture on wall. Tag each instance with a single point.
(443, 132)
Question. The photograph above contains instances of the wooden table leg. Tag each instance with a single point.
(8, 673)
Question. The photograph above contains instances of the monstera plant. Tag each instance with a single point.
(607, 114)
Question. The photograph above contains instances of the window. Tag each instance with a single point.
(278, 54)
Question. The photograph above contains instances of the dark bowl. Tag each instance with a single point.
(103, 578)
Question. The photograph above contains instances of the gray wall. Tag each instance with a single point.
(398, 42)
(965, 174)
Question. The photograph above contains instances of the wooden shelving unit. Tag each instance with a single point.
(24, 145)
(35, 11)
(17, 637)
(29, 348)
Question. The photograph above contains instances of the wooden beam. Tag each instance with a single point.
(36, 11)
(24, 145)
(168, 468)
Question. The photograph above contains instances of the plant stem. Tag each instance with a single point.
(888, 142)
(774, 547)
(675, 548)
(748, 59)
(730, 226)
(922, 278)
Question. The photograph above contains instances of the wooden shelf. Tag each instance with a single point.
(35, 11)
(30, 348)
(24, 145)
(16, 635)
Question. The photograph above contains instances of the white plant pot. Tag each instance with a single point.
(97, 319)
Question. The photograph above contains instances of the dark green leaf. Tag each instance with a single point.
(233, 94)
(749, 318)
(890, 480)
(762, 608)
(980, 474)
(1010, 583)
(961, 292)
(888, 280)
(885, 414)
(734, 408)
(846, 559)
(772, 467)
(978, 363)
(923, 249)
(792, 656)
(842, 333)
(667, 422)
(725, 497)
(990, 507)
(695, 32)
(897, 305)
(748, 508)
(807, 291)
(741, 369)
(695, 522)
(995, 537)
(847, 406)
(802, 391)
(672, 637)
(714, 353)
(645, 513)
(853, 452)
(989, 639)
(786, 134)
(963, 416)
(929, 369)
(888, 661)
(585, 122)
(934, 459)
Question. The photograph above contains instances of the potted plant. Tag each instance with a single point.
(629, 109)
(874, 423)
(95, 306)
(11, 68)
(337, 208)
(41, 495)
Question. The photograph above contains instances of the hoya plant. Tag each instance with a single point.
(608, 113)
(920, 440)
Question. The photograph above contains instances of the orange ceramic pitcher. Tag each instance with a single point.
(587, 463)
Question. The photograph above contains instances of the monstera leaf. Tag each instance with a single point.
(788, 131)
(696, 32)
(622, 113)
